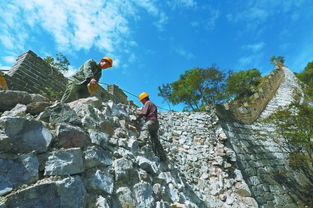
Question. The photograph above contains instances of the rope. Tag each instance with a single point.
(133, 95)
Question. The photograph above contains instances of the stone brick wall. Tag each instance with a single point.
(31, 74)
(119, 95)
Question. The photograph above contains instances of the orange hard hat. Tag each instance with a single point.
(108, 59)
(143, 95)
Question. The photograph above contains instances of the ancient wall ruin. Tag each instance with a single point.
(261, 158)
(31, 74)
(250, 110)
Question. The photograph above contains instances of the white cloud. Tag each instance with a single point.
(5, 68)
(9, 59)
(255, 14)
(74, 25)
(186, 54)
(182, 3)
(251, 61)
(256, 47)
(215, 14)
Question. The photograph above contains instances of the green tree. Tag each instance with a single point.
(165, 92)
(243, 83)
(307, 77)
(295, 126)
(196, 87)
(60, 62)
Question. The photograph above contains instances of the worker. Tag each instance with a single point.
(85, 81)
(151, 126)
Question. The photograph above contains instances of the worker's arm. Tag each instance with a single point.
(89, 66)
(144, 112)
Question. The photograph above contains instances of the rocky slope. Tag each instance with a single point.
(86, 154)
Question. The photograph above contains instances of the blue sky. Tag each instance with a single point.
(152, 42)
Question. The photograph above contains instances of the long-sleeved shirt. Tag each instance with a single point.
(90, 69)
(149, 111)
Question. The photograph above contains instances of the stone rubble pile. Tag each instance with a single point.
(197, 146)
(86, 154)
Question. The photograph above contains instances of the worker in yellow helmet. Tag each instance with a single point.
(151, 126)
(85, 81)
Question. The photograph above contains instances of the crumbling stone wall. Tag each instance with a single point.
(250, 110)
(119, 95)
(261, 158)
(32, 74)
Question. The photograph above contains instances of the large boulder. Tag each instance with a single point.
(10, 98)
(25, 135)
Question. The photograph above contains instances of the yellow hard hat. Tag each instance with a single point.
(93, 88)
(143, 95)
(108, 59)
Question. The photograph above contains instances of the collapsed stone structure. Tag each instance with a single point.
(86, 154)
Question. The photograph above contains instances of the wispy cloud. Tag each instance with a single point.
(254, 14)
(256, 47)
(9, 59)
(174, 4)
(215, 14)
(74, 25)
(186, 54)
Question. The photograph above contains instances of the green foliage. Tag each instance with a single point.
(278, 60)
(196, 87)
(165, 92)
(60, 62)
(295, 126)
(307, 77)
(243, 83)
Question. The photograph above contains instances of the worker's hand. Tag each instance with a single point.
(93, 81)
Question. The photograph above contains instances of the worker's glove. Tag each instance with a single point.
(93, 87)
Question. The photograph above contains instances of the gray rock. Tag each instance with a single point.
(125, 198)
(5, 143)
(124, 170)
(5, 186)
(102, 202)
(69, 192)
(72, 192)
(147, 165)
(35, 108)
(26, 135)
(33, 197)
(10, 98)
(100, 182)
(23, 170)
(18, 110)
(98, 137)
(95, 156)
(143, 195)
(117, 111)
(59, 113)
(71, 136)
(65, 162)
